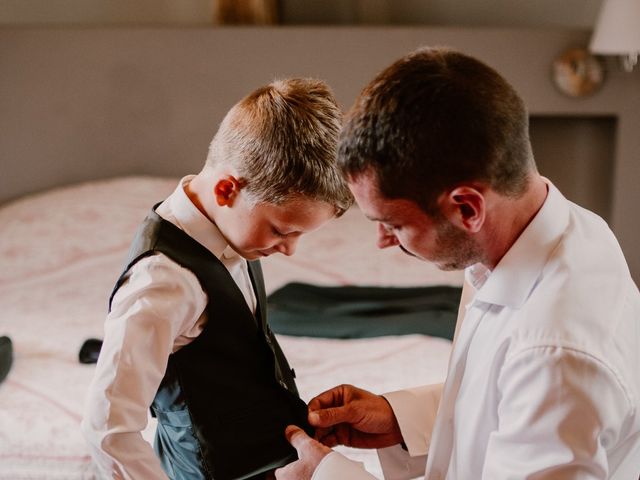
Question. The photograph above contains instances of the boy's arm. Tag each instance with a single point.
(158, 302)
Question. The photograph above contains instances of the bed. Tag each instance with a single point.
(60, 252)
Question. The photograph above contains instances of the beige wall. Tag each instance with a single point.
(105, 12)
(467, 13)
(79, 104)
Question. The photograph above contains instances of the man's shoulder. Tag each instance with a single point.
(581, 299)
(586, 256)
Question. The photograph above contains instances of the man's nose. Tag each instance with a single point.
(288, 246)
(386, 238)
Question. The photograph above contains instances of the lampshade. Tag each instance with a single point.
(617, 30)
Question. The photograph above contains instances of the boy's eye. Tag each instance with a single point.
(277, 232)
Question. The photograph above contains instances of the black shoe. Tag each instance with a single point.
(90, 351)
(6, 357)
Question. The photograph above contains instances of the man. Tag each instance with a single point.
(543, 380)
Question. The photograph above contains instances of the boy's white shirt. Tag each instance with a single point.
(159, 309)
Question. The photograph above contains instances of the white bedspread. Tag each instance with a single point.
(60, 253)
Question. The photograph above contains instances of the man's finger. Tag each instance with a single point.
(333, 397)
(328, 439)
(329, 417)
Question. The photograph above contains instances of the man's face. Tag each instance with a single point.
(404, 224)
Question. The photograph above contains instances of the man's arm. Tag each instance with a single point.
(560, 410)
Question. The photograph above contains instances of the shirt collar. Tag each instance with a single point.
(195, 224)
(515, 276)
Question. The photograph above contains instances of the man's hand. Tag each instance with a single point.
(347, 415)
(310, 454)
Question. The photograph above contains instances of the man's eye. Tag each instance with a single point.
(277, 233)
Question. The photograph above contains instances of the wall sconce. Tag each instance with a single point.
(617, 31)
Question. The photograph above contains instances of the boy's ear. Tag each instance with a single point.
(465, 207)
(226, 189)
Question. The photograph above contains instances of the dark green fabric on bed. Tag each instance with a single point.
(6, 357)
(363, 312)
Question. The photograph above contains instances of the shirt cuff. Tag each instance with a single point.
(397, 464)
(415, 409)
(334, 466)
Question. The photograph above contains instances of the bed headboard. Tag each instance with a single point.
(87, 103)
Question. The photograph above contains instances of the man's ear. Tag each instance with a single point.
(226, 189)
(465, 207)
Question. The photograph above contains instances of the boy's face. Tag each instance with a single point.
(259, 230)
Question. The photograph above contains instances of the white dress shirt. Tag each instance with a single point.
(544, 376)
(159, 309)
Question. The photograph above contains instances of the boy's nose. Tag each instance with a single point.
(288, 246)
(386, 238)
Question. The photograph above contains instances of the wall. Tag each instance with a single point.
(576, 153)
(106, 12)
(77, 104)
(467, 13)
(458, 13)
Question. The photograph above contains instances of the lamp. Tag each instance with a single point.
(617, 31)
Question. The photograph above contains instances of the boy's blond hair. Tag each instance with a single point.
(282, 141)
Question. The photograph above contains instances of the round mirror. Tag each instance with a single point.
(577, 73)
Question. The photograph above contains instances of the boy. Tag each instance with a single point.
(187, 334)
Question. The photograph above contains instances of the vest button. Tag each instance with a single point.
(283, 385)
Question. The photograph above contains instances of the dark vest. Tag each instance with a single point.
(226, 397)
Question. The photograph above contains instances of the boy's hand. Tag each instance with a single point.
(310, 454)
(347, 415)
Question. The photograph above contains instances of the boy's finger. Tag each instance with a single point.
(296, 437)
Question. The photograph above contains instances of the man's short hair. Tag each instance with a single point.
(282, 140)
(434, 119)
